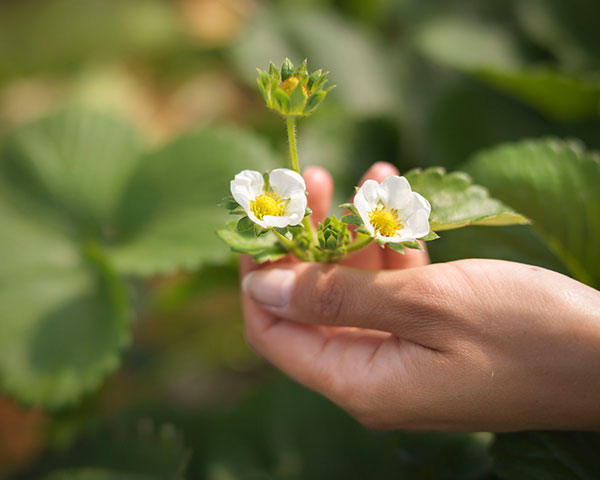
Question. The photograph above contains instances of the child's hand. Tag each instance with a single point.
(467, 345)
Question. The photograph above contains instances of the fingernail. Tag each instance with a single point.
(272, 288)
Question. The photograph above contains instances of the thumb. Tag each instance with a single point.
(408, 303)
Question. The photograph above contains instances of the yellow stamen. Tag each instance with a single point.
(267, 204)
(384, 221)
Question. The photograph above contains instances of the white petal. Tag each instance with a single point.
(397, 192)
(416, 223)
(296, 208)
(284, 182)
(253, 217)
(246, 186)
(366, 200)
(276, 221)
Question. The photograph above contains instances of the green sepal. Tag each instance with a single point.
(350, 207)
(380, 242)
(283, 100)
(397, 247)
(352, 220)
(274, 73)
(258, 230)
(296, 229)
(307, 212)
(244, 224)
(414, 245)
(228, 203)
(363, 229)
(237, 211)
(314, 100)
(430, 236)
(298, 100)
(287, 69)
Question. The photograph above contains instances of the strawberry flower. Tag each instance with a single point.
(391, 211)
(280, 202)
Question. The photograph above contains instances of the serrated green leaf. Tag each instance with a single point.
(73, 165)
(65, 315)
(352, 220)
(555, 183)
(270, 255)
(168, 213)
(246, 242)
(456, 202)
(548, 455)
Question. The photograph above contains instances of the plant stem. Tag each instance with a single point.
(291, 132)
(359, 243)
(290, 121)
(291, 246)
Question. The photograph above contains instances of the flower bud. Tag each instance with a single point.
(292, 91)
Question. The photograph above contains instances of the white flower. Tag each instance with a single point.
(280, 205)
(391, 211)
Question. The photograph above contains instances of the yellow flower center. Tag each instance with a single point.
(267, 204)
(384, 221)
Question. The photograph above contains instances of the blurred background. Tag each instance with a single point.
(121, 344)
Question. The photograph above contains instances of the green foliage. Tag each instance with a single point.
(168, 212)
(94, 474)
(548, 455)
(555, 183)
(456, 202)
(79, 204)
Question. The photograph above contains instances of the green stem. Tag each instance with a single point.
(291, 132)
(291, 246)
(290, 121)
(359, 243)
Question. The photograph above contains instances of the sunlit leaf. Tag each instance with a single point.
(456, 202)
(73, 165)
(555, 183)
(169, 213)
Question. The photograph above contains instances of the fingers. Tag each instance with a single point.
(410, 304)
(319, 185)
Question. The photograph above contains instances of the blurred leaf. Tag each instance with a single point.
(73, 164)
(515, 243)
(94, 474)
(466, 44)
(121, 449)
(555, 183)
(37, 37)
(64, 316)
(456, 202)
(356, 59)
(547, 455)
(569, 29)
(557, 94)
(169, 211)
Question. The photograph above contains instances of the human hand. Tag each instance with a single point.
(468, 345)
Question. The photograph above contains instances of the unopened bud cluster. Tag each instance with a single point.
(292, 91)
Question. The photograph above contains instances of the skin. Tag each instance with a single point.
(470, 345)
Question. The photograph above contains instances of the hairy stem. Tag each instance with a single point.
(287, 243)
(359, 243)
(291, 132)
